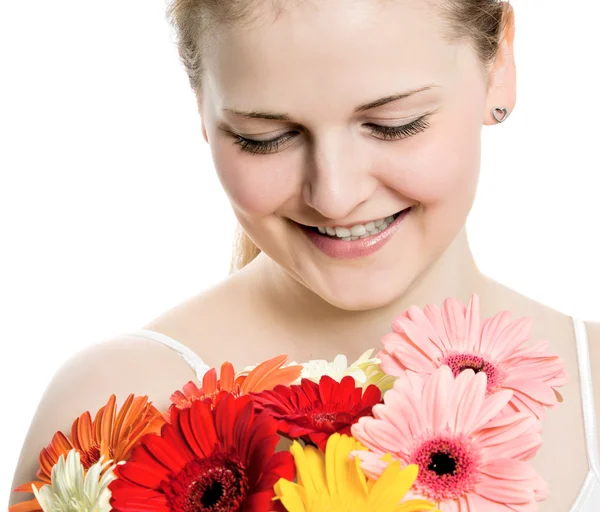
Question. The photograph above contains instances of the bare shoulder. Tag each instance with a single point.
(120, 365)
(215, 324)
(228, 321)
(548, 323)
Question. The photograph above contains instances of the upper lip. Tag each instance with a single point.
(363, 222)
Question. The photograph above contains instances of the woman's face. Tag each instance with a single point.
(313, 67)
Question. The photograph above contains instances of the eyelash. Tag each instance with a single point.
(388, 132)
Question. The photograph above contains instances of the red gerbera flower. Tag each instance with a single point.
(313, 412)
(210, 457)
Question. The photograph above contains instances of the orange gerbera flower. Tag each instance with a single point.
(110, 434)
(264, 377)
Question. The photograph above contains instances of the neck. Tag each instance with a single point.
(454, 274)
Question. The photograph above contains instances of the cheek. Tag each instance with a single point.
(441, 165)
(258, 185)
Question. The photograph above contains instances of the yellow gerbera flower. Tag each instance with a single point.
(370, 366)
(335, 482)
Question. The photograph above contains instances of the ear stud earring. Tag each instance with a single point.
(503, 111)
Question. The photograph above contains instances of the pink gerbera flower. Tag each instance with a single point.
(423, 340)
(469, 457)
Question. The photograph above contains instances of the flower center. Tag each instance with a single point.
(328, 417)
(90, 456)
(442, 464)
(458, 363)
(324, 420)
(216, 484)
(211, 494)
(448, 467)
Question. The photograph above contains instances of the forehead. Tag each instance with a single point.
(315, 52)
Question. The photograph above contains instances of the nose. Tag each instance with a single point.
(337, 180)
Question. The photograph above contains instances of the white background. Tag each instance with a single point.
(111, 213)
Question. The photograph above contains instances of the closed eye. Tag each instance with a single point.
(388, 133)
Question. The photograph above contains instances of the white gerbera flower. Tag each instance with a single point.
(75, 490)
(365, 371)
(336, 369)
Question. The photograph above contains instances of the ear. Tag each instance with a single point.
(502, 84)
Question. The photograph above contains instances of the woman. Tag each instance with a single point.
(333, 120)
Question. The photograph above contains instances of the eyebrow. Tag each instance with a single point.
(255, 114)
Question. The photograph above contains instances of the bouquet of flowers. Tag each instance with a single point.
(445, 417)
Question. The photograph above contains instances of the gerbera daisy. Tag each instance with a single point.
(210, 457)
(110, 434)
(469, 456)
(365, 371)
(423, 340)
(73, 489)
(332, 481)
(336, 369)
(374, 374)
(265, 376)
(313, 412)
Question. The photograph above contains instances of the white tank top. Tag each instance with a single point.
(588, 499)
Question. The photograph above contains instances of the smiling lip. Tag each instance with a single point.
(342, 249)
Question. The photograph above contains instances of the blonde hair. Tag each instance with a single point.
(244, 250)
(483, 22)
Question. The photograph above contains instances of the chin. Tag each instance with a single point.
(358, 303)
(365, 294)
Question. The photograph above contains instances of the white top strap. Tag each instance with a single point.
(193, 359)
(587, 395)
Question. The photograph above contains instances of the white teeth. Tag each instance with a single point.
(342, 232)
(358, 231)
